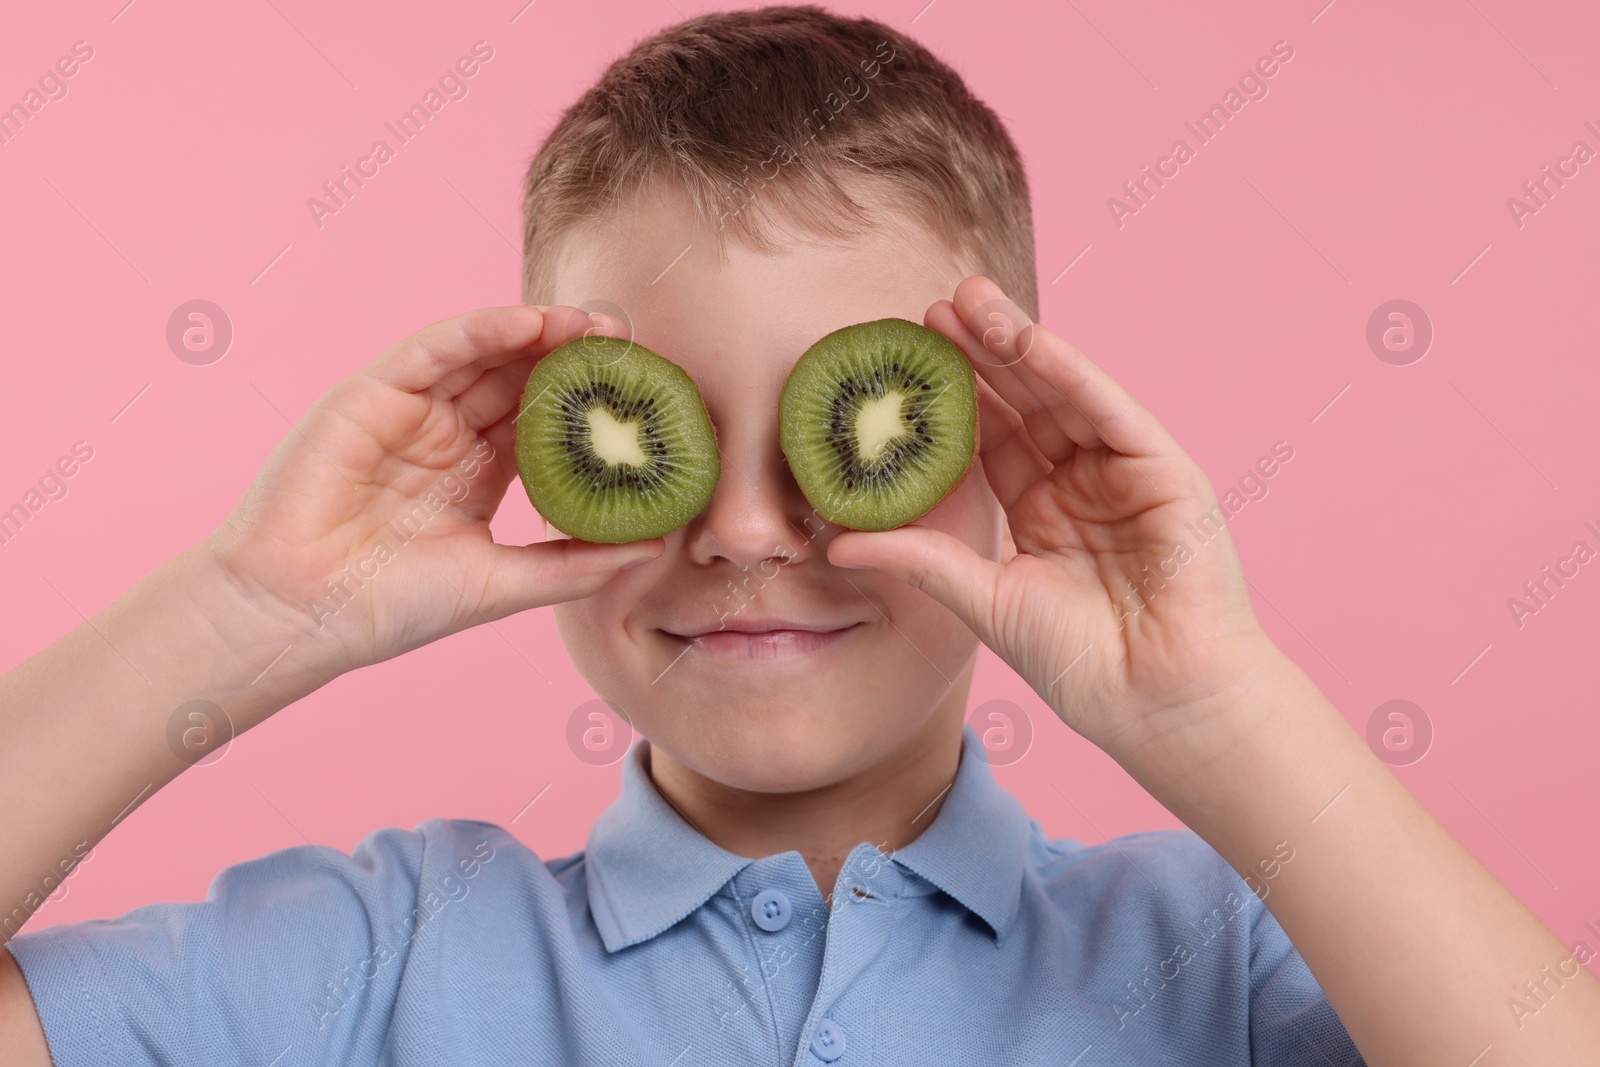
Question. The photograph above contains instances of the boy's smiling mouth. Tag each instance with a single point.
(762, 638)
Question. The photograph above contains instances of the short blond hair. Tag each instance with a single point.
(787, 113)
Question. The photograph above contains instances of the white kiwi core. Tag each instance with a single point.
(878, 422)
(613, 440)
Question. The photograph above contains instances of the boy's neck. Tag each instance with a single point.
(888, 804)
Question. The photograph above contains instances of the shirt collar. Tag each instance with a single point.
(977, 848)
(647, 868)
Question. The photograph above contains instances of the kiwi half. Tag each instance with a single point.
(614, 443)
(879, 423)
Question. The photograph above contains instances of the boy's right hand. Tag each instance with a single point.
(434, 415)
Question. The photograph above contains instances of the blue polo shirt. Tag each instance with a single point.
(982, 942)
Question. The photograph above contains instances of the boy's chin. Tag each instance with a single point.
(800, 753)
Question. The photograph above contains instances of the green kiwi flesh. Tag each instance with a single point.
(614, 443)
(879, 423)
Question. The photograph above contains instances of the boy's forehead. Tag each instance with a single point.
(685, 295)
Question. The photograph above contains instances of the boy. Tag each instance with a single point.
(809, 862)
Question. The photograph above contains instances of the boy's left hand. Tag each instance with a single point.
(1129, 626)
(1178, 683)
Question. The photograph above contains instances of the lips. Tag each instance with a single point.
(739, 639)
(758, 625)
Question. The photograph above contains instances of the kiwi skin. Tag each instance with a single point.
(790, 430)
(630, 367)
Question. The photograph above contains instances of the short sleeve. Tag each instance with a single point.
(295, 957)
(1291, 1020)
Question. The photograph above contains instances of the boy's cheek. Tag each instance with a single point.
(598, 626)
(579, 617)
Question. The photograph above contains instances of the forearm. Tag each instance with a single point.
(84, 724)
(1415, 944)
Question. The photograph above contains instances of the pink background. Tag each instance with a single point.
(1235, 305)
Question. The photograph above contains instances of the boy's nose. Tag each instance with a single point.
(757, 513)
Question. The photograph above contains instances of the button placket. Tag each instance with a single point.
(859, 929)
(786, 925)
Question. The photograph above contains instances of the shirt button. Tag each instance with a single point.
(827, 1041)
(771, 910)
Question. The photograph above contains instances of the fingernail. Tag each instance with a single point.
(640, 562)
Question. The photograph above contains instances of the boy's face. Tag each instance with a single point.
(775, 711)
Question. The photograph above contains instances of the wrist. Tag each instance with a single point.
(1253, 754)
(264, 655)
(1255, 697)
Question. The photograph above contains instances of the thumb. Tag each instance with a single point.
(551, 572)
(945, 568)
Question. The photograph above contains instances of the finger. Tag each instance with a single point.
(449, 357)
(553, 572)
(1011, 461)
(502, 437)
(1051, 368)
(499, 390)
(496, 393)
(400, 404)
(931, 560)
(997, 365)
(483, 338)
